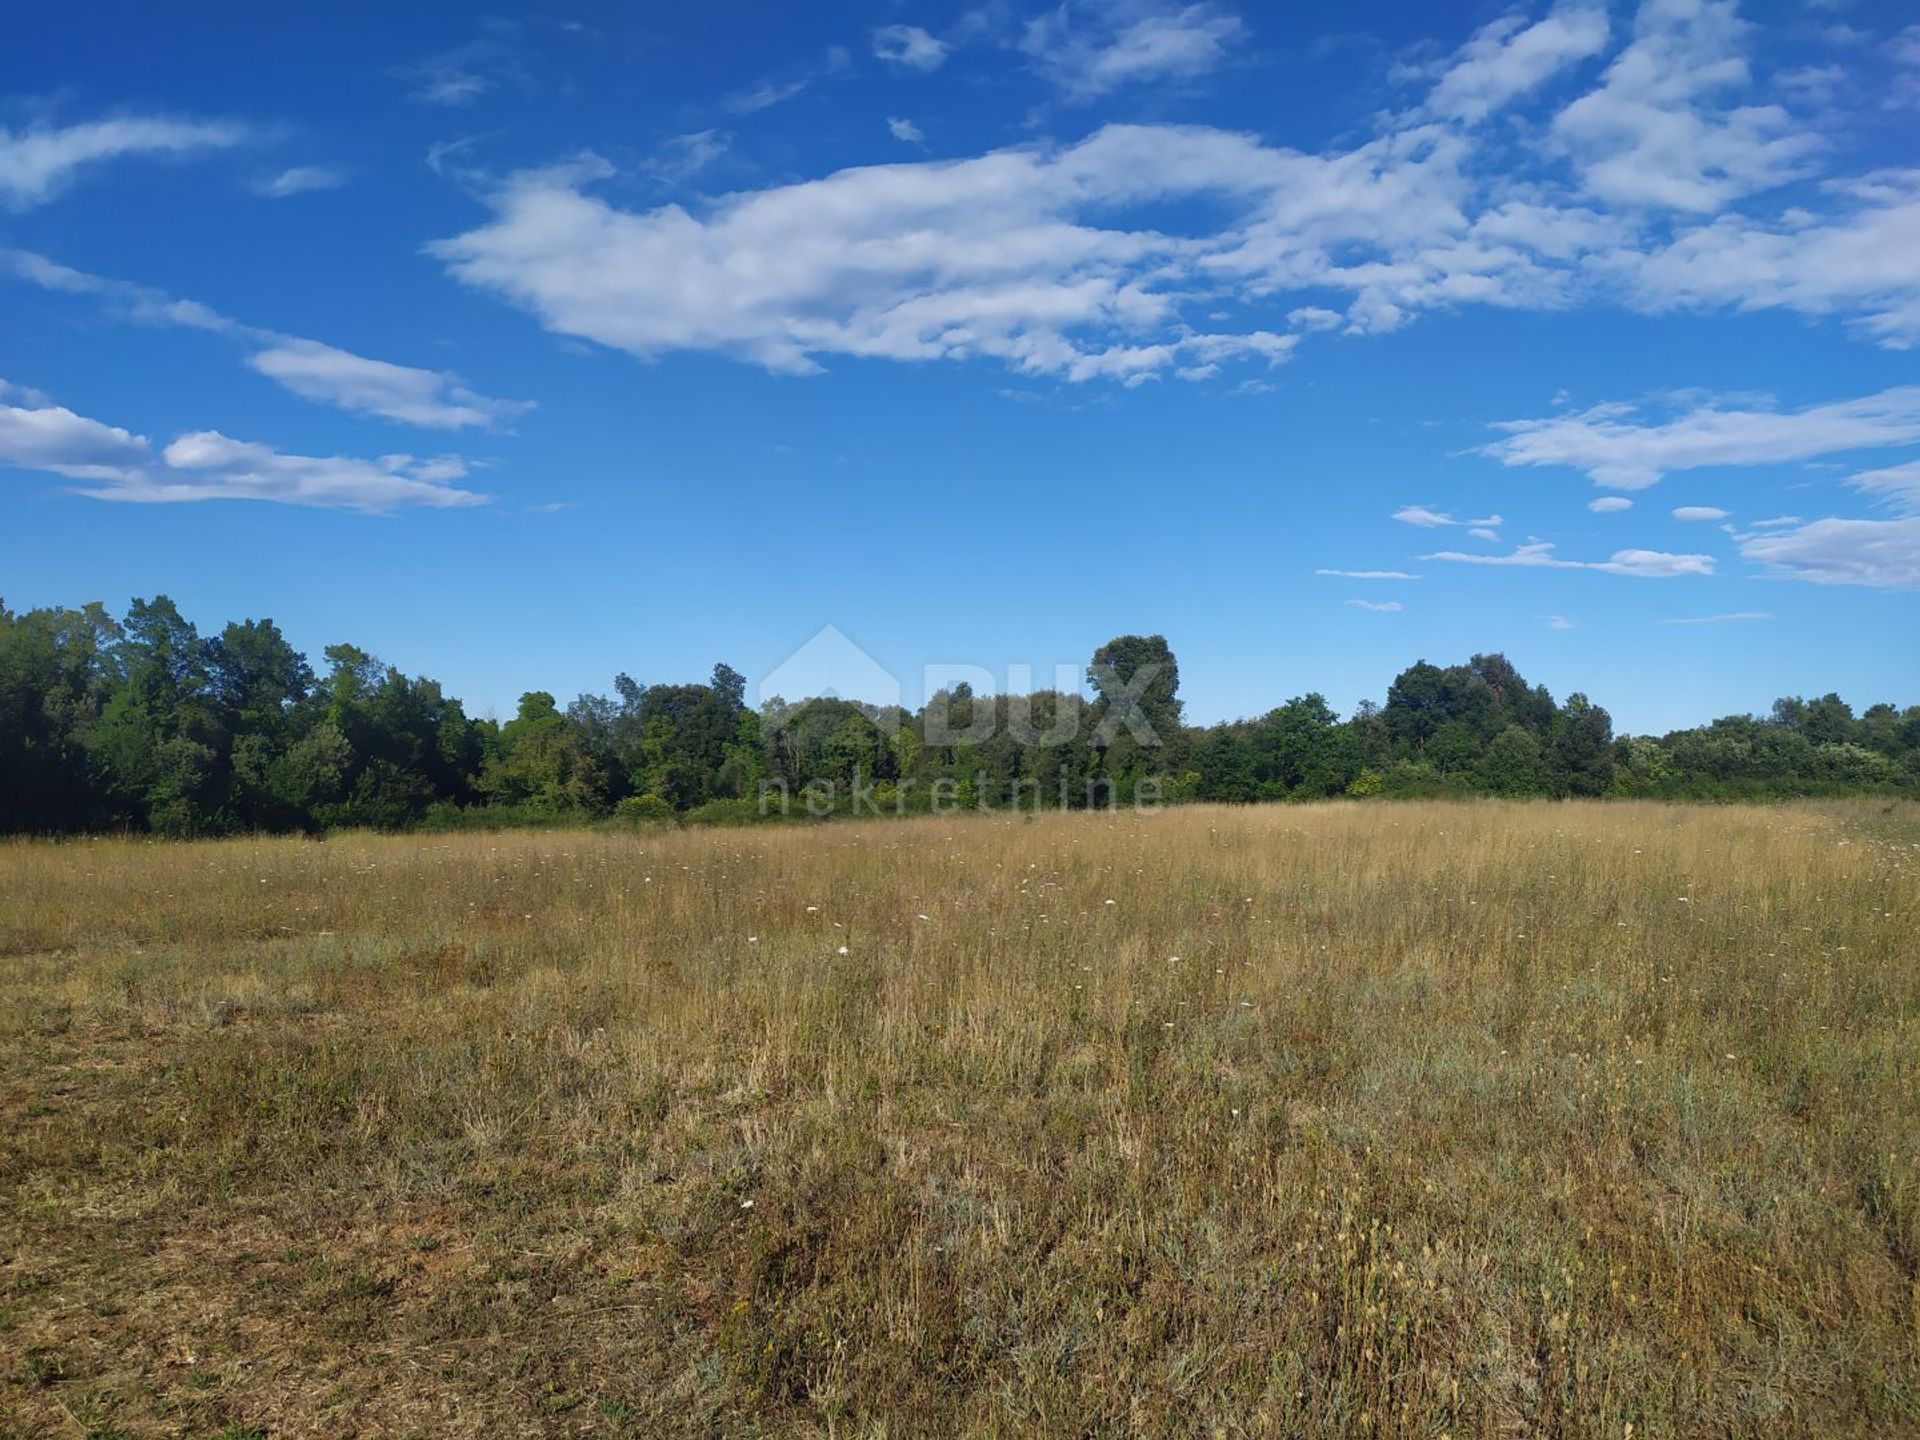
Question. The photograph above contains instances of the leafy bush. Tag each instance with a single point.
(644, 810)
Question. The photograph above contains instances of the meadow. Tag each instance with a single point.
(1423, 1119)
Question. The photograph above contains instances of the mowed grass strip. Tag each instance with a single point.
(1390, 1120)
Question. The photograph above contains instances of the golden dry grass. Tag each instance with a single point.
(1464, 1120)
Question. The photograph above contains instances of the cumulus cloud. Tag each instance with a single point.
(1609, 505)
(1698, 512)
(1884, 554)
(983, 257)
(1860, 260)
(1093, 258)
(1664, 128)
(39, 163)
(44, 436)
(1643, 564)
(1620, 450)
(300, 180)
(436, 399)
(114, 464)
(909, 45)
(905, 131)
(1092, 50)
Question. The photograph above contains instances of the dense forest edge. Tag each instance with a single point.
(145, 724)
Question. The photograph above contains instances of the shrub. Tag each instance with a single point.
(644, 810)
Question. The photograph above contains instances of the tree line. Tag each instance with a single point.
(143, 723)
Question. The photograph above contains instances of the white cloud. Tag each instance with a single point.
(1092, 50)
(1643, 564)
(905, 131)
(458, 76)
(38, 163)
(1626, 453)
(1427, 518)
(300, 180)
(1609, 505)
(1559, 622)
(981, 257)
(1860, 260)
(764, 95)
(207, 465)
(1698, 512)
(909, 45)
(1904, 50)
(436, 399)
(1369, 574)
(1314, 317)
(1483, 532)
(684, 156)
(1508, 57)
(1085, 258)
(1897, 486)
(1728, 619)
(433, 398)
(1880, 553)
(1379, 607)
(1658, 132)
(44, 436)
(114, 464)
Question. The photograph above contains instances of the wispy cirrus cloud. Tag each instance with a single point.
(1616, 447)
(1896, 486)
(1509, 57)
(1091, 50)
(1539, 554)
(111, 463)
(434, 399)
(767, 93)
(1428, 518)
(1732, 618)
(38, 163)
(681, 157)
(462, 74)
(1378, 607)
(1880, 554)
(300, 180)
(1369, 574)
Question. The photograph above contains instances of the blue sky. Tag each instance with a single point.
(528, 348)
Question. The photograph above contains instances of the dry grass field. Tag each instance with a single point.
(1390, 1120)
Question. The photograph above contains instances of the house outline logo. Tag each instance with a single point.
(829, 666)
